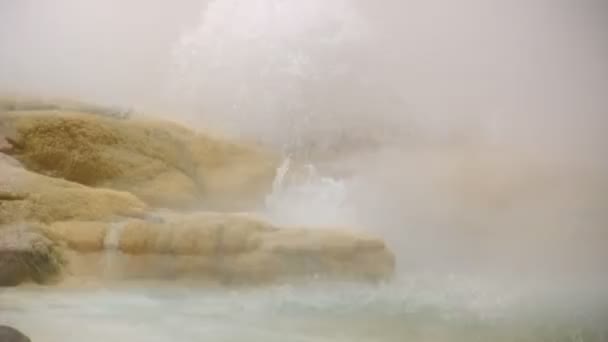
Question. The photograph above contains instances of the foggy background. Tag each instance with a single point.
(487, 119)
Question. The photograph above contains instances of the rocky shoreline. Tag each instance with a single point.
(158, 200)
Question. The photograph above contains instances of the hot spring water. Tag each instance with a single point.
(412, 308)
(325, 77)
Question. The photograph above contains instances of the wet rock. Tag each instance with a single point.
(9, 334)
(233, 248)
(28, 254)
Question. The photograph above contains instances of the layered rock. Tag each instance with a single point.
(228, 248)
(90, 182)
(27, 196)
(161, 162)
(28, 254)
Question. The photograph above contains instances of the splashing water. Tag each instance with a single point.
(414, 308)
(316, 201)
(280, 62)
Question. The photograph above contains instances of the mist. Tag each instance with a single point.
(468, 134)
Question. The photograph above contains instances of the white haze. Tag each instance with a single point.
(467, 130)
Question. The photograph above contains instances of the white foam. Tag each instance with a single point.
(316, 201)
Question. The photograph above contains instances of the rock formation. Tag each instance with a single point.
(233, 248)
(28, 254)
(102, 195)
(27, 196)
(161, 162)
(9, 334)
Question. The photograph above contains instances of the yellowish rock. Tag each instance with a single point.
(82, 170)
(81, 236)
(228, 248)
(161, 162)
(27, 196)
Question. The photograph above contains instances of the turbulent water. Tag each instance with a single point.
(413, 308)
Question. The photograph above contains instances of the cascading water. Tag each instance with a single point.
(111, 250)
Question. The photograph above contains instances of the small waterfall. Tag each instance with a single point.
(111, 254)
(279, 180)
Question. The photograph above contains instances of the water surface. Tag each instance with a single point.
(411, 308)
